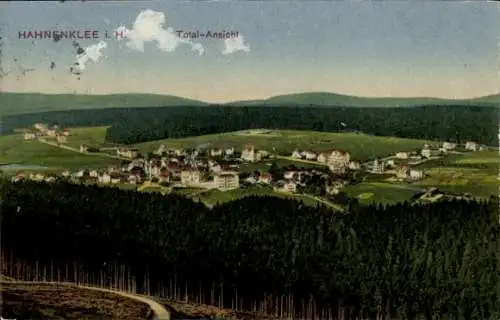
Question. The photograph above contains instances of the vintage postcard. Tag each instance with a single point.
(257, 160)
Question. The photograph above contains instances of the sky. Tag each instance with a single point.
(446, 49)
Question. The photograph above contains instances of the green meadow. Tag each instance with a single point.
(381, 192)
(14, 149)
(361, 146)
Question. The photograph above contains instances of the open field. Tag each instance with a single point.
(475, 173)
(213, 197)
(91, 136)
(43, 301)
(13, 149)
(361, 146)
(472, 172)
(488, 161)
(265, 164)
(385, 193)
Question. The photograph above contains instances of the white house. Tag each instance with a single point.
(84, 148)
(216, 152)
(416, 174)
(471, 146)
(214, 166)
(190, 177)
(133, 179)
(402, 155)
(161, 150)
(296, 154)
(29, 136)
(251, 180)
(127, 152)
(105, 178)
(226, 181)
(390, 163)
(403, 172)
(354, 165)
(287, 186)
(406, 173)
(449, 145)
(309, 155)
(41, 127)
(378, 166)
(335, 186)
(289, 175)
(261, 154)
(249, 154)
(336, 160)
(80, 174)
(61, 138)
(426, 152)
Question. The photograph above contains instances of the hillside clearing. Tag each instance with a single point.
(362, 147)
(385, 193)
(14, 149)
(43, 301)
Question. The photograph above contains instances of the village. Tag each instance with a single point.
(214, 168)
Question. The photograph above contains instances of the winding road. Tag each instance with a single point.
(159, 310)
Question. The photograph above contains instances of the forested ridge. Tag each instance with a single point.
(440, 260)
(452, 123)
(133, 125)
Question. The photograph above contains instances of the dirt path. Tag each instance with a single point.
(63, 146)
(159, 310)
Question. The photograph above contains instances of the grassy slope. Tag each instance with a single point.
(380, 192)
(455, 173)
(360, 146)
(214, 197)
(13, 149)
(18, 103)
(91, 136)
(475, 173)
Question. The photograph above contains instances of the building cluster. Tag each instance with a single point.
(40, 131)
(338, 161)
(218, 168)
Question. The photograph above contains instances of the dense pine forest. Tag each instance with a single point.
(440, 261)
(133, 125)
(458, 123)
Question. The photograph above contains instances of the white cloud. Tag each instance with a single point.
(92, 52)
(148, 27)
(236, 44)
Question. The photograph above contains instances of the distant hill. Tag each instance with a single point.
(23, 103)
(19, 103)
(333, 99)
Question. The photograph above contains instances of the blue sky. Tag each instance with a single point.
(426, 48)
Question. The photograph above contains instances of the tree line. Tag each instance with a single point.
(440, 260)
(452, 123)
(134, 125)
